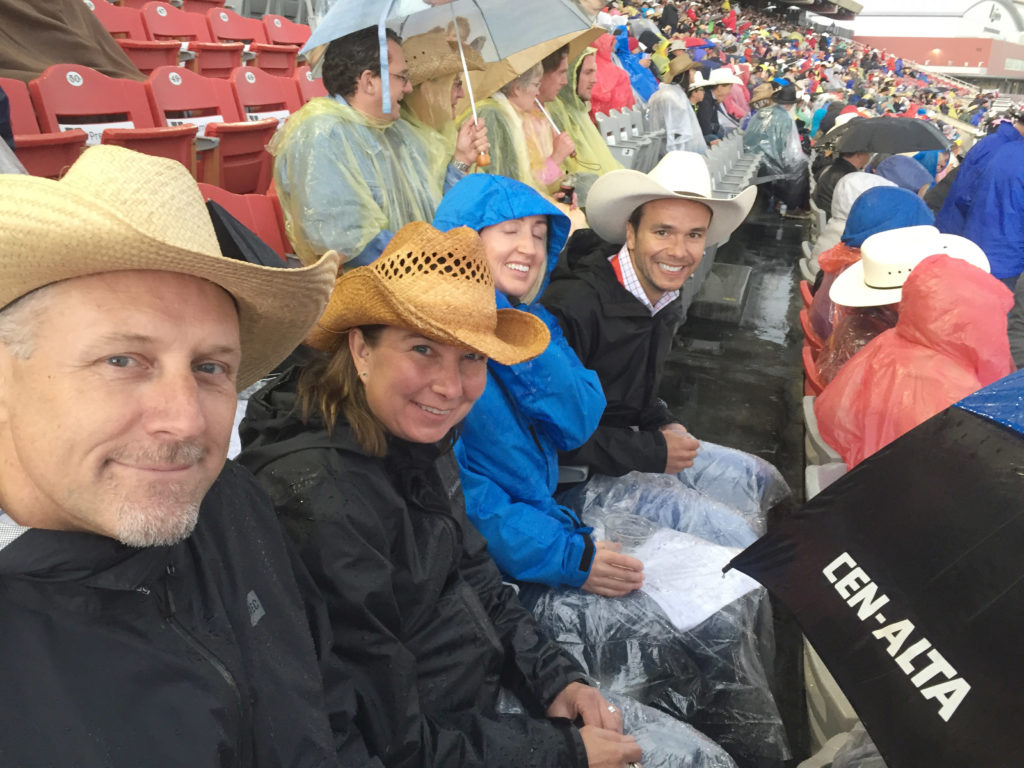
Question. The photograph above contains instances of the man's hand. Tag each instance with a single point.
(682, 448)
(613, 574)
(471, 141)
(586, 702)
(608, 749)
(564, 147)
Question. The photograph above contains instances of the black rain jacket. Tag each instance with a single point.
(196, 655)
(418, 608)
(615, 335)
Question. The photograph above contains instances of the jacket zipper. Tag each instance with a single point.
(169, 613)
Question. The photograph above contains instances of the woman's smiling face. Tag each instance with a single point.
(418, 388)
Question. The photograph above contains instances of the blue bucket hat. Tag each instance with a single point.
(883, 208)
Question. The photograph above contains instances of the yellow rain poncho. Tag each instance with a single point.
(572, 114)
(346, 180)
(429, 105)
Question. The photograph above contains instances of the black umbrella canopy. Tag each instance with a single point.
(890, 134)
(907, 577)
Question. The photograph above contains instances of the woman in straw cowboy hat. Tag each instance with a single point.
(355, 448)
(508, 455)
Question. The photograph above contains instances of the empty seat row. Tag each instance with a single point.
(631, 143)
(211, 43)
(70, 106)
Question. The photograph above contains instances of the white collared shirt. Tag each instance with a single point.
(9, 530)
(627, 276)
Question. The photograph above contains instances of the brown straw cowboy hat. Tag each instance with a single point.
(435, 54)
(438, 284)
(116, 209)
(681, 63)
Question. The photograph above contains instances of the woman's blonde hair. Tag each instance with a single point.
(329, 387)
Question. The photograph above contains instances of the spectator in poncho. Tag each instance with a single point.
(348, 170)
(672, 110)
(773, 132)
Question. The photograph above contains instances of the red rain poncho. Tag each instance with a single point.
(612, 90)
(949, 341)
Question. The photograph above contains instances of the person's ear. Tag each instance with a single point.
(367, 83)
(357, 346)
(630, 236)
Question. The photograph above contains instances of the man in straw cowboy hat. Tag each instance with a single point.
(348, 173)
(150, 612)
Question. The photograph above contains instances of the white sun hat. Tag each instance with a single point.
(723, 76)
(679, 175)
(887, 259)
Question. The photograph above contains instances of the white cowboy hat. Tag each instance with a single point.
(887, 259)
(697, 81)
(679, 175)
(116, 209)
(723, 76)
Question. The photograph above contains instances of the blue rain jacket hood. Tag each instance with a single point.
(508, 452)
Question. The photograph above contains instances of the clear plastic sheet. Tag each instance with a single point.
(712, 676)
(632, 647)
(665, 741)
(855, 328)
(858, 752)
(9, 162)
(773, 132)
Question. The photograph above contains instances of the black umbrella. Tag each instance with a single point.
(890, 134)
(907, 576)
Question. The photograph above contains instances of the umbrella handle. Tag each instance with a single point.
(483, 159)
(554, 127)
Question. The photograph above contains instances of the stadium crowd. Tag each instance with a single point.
(456, 528)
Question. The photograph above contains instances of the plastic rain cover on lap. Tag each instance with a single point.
(858, 752)
(665, 741)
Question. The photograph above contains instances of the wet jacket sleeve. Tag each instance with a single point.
(528, 543)
(348, 556)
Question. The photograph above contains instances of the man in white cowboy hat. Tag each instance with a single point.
(349, 172)
(719, 83)
(616, 293)
(149, 609)
(772, 131)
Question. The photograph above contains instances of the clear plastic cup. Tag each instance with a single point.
(628, 529)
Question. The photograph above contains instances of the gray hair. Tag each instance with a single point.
(533, 73)
(18, 322)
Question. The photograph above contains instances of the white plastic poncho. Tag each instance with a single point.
(343, 177)
(773, 132)
(671, 110)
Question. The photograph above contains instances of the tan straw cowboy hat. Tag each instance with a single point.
(116, 209)
(679, 175)
(438, 284)
(435, 54)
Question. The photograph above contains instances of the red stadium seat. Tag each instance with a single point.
(239, 163)
(282, 31)
(109, 110)
(813, 339)
(227, 26)
(260, 213)
(261, 95)
(813, 383)
(212, 59)
(200, 6)
(805, 293)
(125, 26)
(309, 87)
(42, 154)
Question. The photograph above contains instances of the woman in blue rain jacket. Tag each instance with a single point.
(508, 453)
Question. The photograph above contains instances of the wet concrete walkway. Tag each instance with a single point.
(741, 385)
